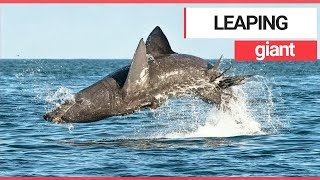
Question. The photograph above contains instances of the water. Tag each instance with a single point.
(272, 130)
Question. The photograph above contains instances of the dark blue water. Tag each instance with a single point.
(273, 129)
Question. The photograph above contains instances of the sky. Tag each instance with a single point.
(102, 31)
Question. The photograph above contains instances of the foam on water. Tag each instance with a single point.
(251, 113)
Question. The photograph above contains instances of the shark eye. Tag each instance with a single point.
(80, 100)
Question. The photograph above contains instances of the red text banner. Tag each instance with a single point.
(275, 50)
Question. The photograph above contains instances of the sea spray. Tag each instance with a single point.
(56, 98)
(251, 113)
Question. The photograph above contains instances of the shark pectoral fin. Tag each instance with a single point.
(158, 44)
(155, 103)
(138, 75)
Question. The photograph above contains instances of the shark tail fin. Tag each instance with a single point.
(221, 95)
(213, 70)
(227, 82)
(217, 64)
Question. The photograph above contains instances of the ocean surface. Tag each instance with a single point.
(273, 128)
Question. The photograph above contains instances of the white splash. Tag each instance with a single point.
(56, 98)
(70, 128)
(250, 114)
(237, 122)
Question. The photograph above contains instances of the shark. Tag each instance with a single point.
(155, 74)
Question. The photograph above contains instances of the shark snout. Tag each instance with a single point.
(53, 117)
(58, 115)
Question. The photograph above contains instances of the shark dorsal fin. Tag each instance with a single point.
(138, 75)
(158, 44)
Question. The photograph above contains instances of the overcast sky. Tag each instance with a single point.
(101, 31)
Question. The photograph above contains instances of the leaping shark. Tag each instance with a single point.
(155, 74)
